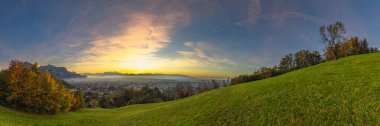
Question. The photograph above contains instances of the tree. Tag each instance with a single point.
(315, 58)
(14, 83)
(241, 79)
(276, 70)
(330, 54)
(344, 50)
(79, 100)
(215, 84)
(262, 73)
(302, 59)
(3, 88)
(202, 87)
(305, 58)
(353, 46)
(287, 63)
(94, 103)
(363, 46)
(332, 36)
(29, 89)
(373, 50)
(183, 90)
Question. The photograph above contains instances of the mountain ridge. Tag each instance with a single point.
(58, 72)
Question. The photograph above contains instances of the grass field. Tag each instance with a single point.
(342, 92)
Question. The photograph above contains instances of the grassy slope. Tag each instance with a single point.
(346, 91)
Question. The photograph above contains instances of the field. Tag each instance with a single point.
(342, 92)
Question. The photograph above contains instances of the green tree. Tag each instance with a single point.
(315, 58)
(287, 63)
(363, 45)
(302, 59)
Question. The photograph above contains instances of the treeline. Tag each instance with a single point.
(289, 62)
(146, 94)
(336, 46)
(31, 90)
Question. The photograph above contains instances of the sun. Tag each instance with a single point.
(141, 65)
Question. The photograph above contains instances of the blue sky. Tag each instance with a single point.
(194, 37)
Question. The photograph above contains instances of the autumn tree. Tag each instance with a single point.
(32, 90)
(343, 50)
(332, 36)
(262, 73)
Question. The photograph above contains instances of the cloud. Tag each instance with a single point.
(254, 15)
(202, 55)
(186, 53)
(188, 44)
(143, 35)
(281, 17)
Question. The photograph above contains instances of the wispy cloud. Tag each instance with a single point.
(202, 55)
(255, 14)
(139, 40)
(281, 17)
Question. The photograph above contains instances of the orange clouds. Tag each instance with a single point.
(134, 49)
(135, 46)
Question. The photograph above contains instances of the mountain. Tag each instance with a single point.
(148, 76)
(341, 92)
(58, 72)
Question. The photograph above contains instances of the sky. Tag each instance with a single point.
(209, 38)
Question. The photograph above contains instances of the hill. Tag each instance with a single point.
(342, 92)
(58, 72)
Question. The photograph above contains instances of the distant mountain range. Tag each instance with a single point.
(62, 73)
(58, 72)
(147, 75)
